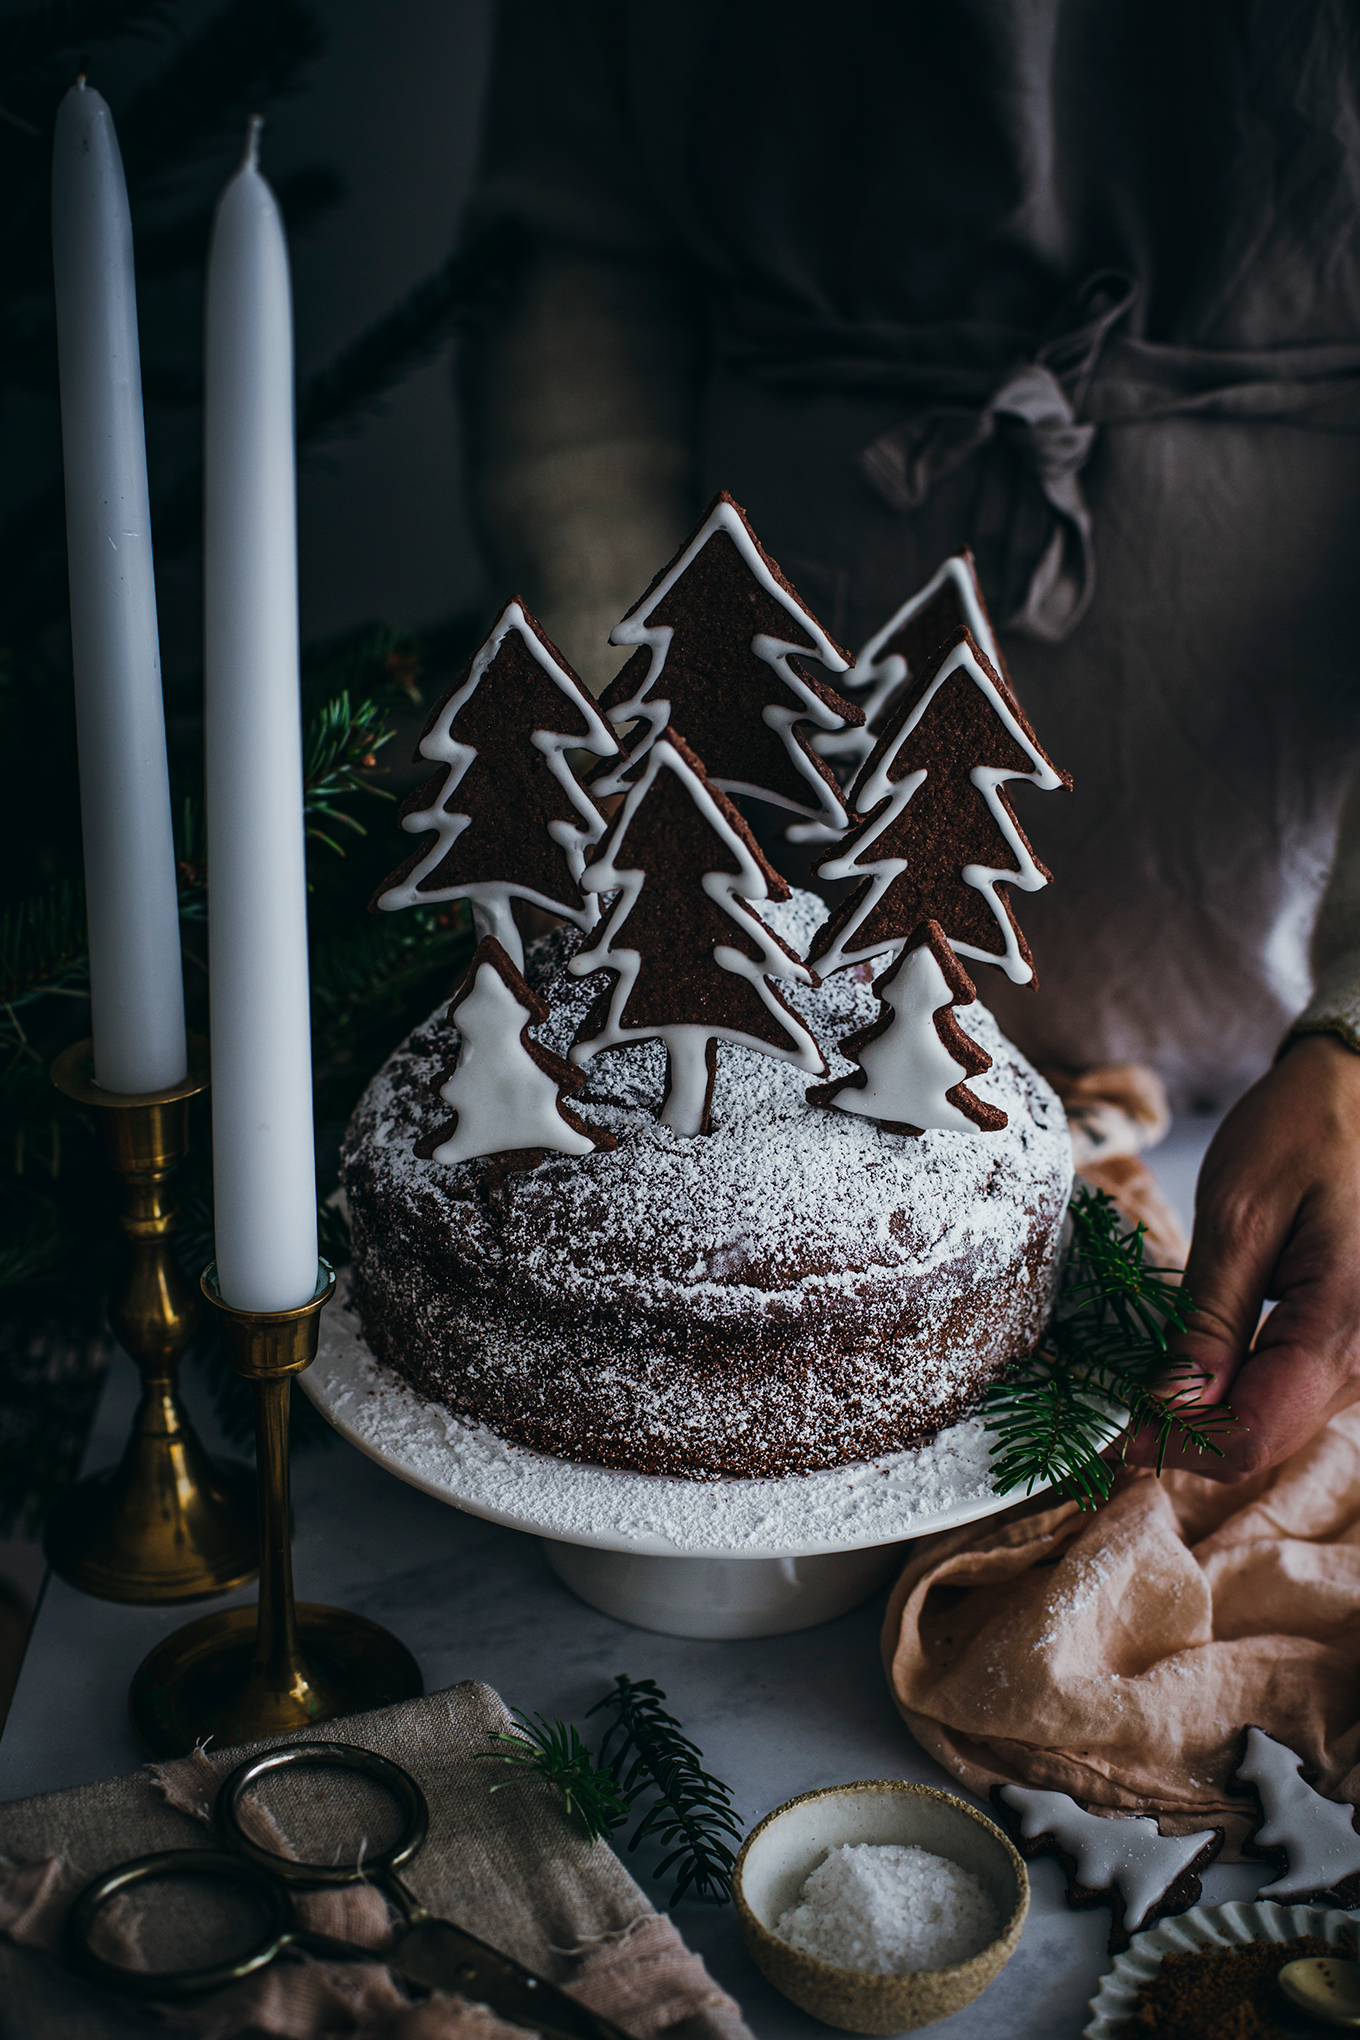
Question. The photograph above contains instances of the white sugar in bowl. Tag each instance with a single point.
(780, 1854)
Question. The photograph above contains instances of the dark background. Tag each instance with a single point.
(390, 102)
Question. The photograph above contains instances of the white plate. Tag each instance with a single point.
(883, 1501)
(1204, 1926)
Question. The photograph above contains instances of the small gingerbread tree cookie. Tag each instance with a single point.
(506, 1090)
(937, 836)
(511, 821)
(1311, 1840)
(902, 647)
(693, 964)
(1120, 1860)
(915, 1059)
(719, 633)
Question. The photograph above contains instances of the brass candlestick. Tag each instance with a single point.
(253, 1672)
(167, 1523)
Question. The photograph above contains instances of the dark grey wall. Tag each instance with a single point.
(394, 104)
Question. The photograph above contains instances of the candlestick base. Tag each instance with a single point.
(205, 1680)
(168, 1523)
(272, 1669)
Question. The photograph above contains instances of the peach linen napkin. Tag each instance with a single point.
(1118, 1654)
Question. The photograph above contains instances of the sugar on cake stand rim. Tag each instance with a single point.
(361, 1398)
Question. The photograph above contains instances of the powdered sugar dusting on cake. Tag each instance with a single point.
(895, 1496)
(796, 1288)
(717, 1220)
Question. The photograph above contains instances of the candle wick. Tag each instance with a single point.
(250, 160)
(80, 77)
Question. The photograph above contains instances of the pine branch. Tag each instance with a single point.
(377, 963)
(338, 396)
(32, 1239)
(305, 196)
(1105, 1363)
(52, 1376)
(692, 1815)
(554, 1750)
(250, 52)
(32, 45)
(341, 744)
(43, 947)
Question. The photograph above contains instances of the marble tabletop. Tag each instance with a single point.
(774, 1717)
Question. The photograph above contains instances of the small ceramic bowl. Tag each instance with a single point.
(788, 1845)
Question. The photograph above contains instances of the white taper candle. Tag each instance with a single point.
(136, 986)
(264, 1172)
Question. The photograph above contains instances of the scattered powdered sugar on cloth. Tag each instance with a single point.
(890, 1908)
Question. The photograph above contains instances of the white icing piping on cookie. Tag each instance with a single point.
(894, 795)
(883, 676)
(908, 1067)
(687, 1045)
(1318, 1834)
(635, 630)
(490, 899)
(504, 1101)
(1125, 1851)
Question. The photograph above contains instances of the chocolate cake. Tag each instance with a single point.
(797, 1288)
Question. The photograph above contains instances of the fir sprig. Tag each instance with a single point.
(342, 743)
(692, 1814)
(1106, 1362)
(554, 1750)
(644, 1751)
(43, 947)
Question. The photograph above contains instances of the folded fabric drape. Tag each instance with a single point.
(1119, 1655)
(1041, 401)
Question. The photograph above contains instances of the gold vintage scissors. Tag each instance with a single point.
(433, 1954)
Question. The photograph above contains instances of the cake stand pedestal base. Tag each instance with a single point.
(723, 1597)
(703, 1558)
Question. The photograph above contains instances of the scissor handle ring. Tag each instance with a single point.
(329, 1756)
(177, 1983)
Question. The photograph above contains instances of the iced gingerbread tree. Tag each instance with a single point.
(915, 1059)
(510, 819)
(693, 963)
(935, 837)
(901, 648)
(719, 634)
(506, 1090)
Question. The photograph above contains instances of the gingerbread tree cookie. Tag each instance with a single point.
(937, 836)
(506, 1090)
(510, 819)
(1119, 1860)
(915, 1059)
(1311, 1840)
(901, 648)
(693, 963)
(719, 632)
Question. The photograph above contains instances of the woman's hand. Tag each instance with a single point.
(1277, 1217)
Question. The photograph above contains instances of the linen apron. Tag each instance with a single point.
(1076, 283)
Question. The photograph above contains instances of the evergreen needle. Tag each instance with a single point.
(692, 1814)
(554, 1750)
(1105, 1362)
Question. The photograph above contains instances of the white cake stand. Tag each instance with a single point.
(690, 1558)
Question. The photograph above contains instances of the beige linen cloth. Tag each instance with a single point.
(1117, 1655)
(507, 1865)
